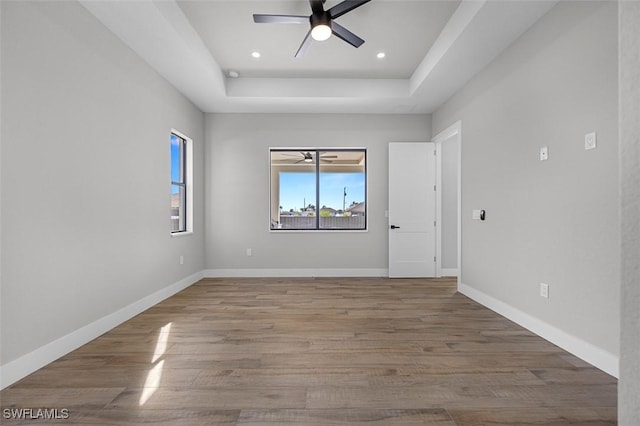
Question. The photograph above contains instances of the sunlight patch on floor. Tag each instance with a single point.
(161, 345)
(154, 375)
(152, 383)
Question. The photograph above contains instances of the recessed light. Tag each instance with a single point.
(234, 74)
(381, 55)
(255, 54)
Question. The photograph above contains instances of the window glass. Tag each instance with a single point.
(342, 197)
(178, 184)
(177, 158)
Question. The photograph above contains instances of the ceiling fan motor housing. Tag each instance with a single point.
(320, 19)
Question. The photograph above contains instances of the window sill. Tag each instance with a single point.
(181, 234)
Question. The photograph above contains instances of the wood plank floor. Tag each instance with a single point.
(308, 351)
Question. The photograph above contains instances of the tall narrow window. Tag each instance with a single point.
(318, 189)
(180, 183)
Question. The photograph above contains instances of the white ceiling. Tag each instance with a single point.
(218, 22)
(432, 49)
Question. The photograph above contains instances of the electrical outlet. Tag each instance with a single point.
(181, 260)
(544, 290)
(249, 252)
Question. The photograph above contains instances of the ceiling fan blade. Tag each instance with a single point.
(346, 35)
(316, 6)
(344, 7)
(280, 19)
(304, 47)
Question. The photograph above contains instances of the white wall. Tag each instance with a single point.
(237, 193)
(85, 183)
(556, 221)
(629, 387)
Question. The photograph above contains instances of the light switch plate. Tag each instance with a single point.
(544, 290)
(590, 141)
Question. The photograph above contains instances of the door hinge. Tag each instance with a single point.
(434, 187)
(434, 258)
(434, 223)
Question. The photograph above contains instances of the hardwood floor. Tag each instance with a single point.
(318, 352)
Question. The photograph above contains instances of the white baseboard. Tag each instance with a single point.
(15, 370)
(449, 272)
(287, 273)
(599, 358)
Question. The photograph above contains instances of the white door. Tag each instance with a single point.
(412, 209)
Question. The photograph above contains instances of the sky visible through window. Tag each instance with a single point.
(175, 162)
(296, 189)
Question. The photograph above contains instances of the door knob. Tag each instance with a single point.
(395, 227)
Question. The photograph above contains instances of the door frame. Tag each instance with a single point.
(439, 139)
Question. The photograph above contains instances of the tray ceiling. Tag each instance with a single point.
(432, 49)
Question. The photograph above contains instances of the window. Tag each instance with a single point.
(318, 189)
(181, 202)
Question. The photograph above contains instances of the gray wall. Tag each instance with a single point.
(237, 193)
(557, 221)
(629, 389)
(85, 175)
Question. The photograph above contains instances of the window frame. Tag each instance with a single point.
(185, 182)
(316, 151)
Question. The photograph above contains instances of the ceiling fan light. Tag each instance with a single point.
(321, 32)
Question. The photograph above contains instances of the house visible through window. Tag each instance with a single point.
(318, 189)
(180, 183)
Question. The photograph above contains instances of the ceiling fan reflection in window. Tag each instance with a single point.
(321, 21)
(307, 157)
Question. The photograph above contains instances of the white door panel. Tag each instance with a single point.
(412, 237)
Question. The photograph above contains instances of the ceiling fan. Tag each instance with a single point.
(307, 157)
(321, 21)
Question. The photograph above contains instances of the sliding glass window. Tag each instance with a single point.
(318, 189)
